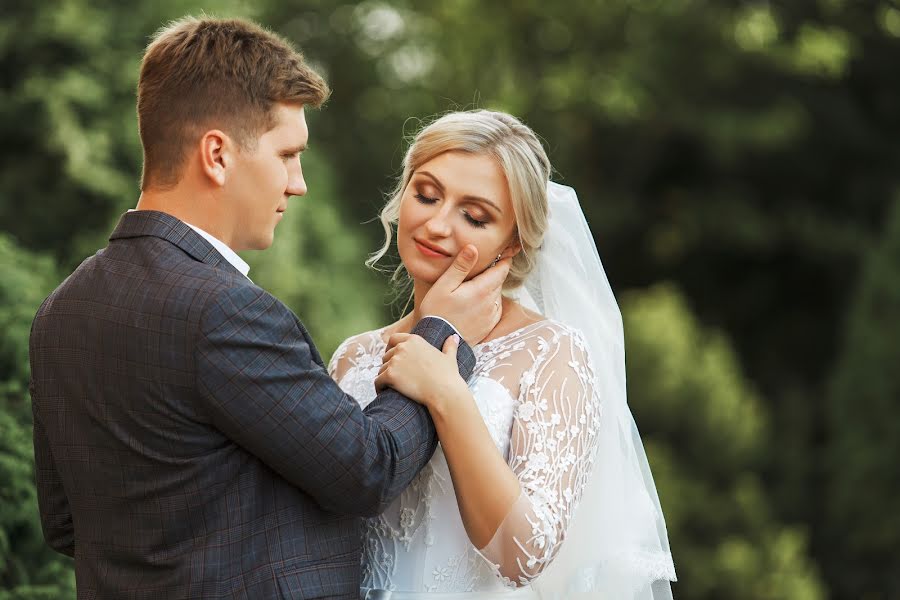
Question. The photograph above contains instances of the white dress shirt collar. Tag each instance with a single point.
(222, 248)
(230, 255)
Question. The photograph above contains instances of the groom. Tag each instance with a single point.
(188, 440)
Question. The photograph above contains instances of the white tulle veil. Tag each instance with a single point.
(616, 545)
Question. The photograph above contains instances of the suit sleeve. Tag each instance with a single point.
(56, 516)
(263, 385)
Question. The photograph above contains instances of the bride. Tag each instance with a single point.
(540, 487)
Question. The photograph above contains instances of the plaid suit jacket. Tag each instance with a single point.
(188, 440)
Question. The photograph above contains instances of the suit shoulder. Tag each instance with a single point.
(230, 296)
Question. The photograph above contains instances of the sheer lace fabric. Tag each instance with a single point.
(535, 389)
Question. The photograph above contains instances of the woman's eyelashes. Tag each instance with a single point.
(425, 199)
(475, 222)
(471, 220)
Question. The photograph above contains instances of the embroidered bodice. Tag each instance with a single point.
(534, 388)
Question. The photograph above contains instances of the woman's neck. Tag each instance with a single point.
(420, 289)
(514, 316)
(409, 320)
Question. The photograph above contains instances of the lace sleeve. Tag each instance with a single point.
(554, 436)
(338, 365)
(346, 356)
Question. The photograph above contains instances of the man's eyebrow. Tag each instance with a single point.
(440, 186)
(295, 149)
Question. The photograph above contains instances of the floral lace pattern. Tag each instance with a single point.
(534, 389)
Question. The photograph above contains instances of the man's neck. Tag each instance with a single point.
(188, 207)
(196, 219)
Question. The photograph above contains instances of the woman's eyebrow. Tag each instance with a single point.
(437, 181)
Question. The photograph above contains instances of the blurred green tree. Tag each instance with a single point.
(864, 432)
(705, 429)
(71, 157)
(29, 569)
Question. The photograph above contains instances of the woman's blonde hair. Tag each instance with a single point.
(520, 156)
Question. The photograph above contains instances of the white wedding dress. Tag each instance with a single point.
(535, 389)
(588, 523)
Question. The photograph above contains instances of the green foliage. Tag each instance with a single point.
(705, 429)
(27, 279)
(863, 481)
(28, 568)
(73, 66)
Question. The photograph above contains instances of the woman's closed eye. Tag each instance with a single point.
(425, 199)
(479, 223)
(474, 222)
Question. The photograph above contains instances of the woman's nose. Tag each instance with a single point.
(438, 224)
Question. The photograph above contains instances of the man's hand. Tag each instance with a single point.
(473, 307)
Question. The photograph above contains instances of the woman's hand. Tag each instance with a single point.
(420, 371)
(485, 486)
(472, 304)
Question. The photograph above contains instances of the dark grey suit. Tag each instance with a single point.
(188, 440)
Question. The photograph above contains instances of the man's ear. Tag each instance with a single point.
(215, 155)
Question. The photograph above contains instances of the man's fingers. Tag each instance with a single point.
(458, 271)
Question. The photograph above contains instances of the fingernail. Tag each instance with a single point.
(456, 337)
(468, 253)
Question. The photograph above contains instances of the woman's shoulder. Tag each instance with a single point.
(536, 327)
(558, 328)
(537, 341)
(363, 341)
(356, 346)
(556, 337)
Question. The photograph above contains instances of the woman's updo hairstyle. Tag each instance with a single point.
(520, 156)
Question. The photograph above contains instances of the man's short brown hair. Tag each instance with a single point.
(203, 73)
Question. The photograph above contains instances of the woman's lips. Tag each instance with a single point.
(428, 251)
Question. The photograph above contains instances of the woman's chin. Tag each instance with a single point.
(427, 274)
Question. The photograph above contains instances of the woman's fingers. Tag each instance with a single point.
(397, 338)
(412, 362)
(380, 383)
(388, 356)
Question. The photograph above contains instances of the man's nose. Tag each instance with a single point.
(296, 183)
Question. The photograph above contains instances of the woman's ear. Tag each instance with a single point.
(513, 248)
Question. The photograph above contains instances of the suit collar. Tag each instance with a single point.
(141, 223)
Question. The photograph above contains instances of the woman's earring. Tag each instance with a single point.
(496, 260)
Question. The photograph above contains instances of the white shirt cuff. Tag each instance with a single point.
(445, 321)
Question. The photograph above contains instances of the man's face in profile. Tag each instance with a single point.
(265, 177)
